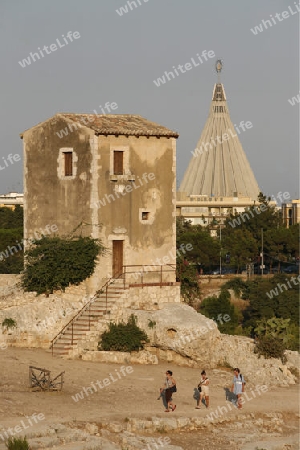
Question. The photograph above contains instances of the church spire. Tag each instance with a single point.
(219, 166)
(219, 67)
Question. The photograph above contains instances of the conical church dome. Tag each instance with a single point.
(219, 166)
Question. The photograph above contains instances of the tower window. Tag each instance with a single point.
(145, 215)
(118, 162)
(68, 162)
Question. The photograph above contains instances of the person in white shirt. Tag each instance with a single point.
(204, 382)
(238, 386)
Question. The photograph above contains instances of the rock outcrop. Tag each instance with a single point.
(182, 336)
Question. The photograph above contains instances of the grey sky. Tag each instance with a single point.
(117, 58)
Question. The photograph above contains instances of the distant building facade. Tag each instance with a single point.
(291, 213)
(204, 210)
(108, 176)
(11, 199)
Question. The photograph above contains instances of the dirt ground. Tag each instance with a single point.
(131, 394)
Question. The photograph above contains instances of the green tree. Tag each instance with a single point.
(187, 274)
(284, 304)
(11, 240)
(241, 245)
(11, 218)
(275, 245)
(292, 244)
(258, 216)
(213, 306)
(11, 250)
(205, 249)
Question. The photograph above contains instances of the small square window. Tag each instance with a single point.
(145, 215)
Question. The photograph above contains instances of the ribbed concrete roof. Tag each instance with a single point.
(219, 165)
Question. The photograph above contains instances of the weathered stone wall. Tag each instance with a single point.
(150, 298)
(8, 284)
(38, 318)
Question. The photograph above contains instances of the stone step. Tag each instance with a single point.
(103, 302)
(86, 319)
(97, 310)
(62, 348)
(61, 352)
(68, 339)
(77, 332)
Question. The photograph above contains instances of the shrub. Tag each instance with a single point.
(11, 250)
(9, 323)
(270, 347)
(214, 306)
(17, 444)
(281, 329)
(151, 324)
(123, 337)
(187, 275)
(237, 285)
(55, 263)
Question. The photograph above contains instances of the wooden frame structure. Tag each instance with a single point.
(40, 380)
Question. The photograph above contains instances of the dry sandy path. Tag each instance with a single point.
(131, 395)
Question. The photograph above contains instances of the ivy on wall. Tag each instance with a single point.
(54, 263)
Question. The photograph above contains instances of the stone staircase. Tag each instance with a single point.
(97, 309)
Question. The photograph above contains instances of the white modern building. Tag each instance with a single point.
(11, 199)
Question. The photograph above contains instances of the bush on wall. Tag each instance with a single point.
(54, 263)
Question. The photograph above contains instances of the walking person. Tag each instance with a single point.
(204, 392)
(170, 388)
(238, 386)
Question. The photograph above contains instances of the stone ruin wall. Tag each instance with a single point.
(40, 318)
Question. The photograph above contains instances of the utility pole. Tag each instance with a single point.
(220, 250)
(262, 251)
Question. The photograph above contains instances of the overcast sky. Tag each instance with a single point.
(117, 58)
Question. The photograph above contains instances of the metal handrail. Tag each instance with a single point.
(79, 313)
(145, 270)
(104, 288)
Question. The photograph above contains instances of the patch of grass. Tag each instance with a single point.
(151, 323)
(9, 323)
(17, 444)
